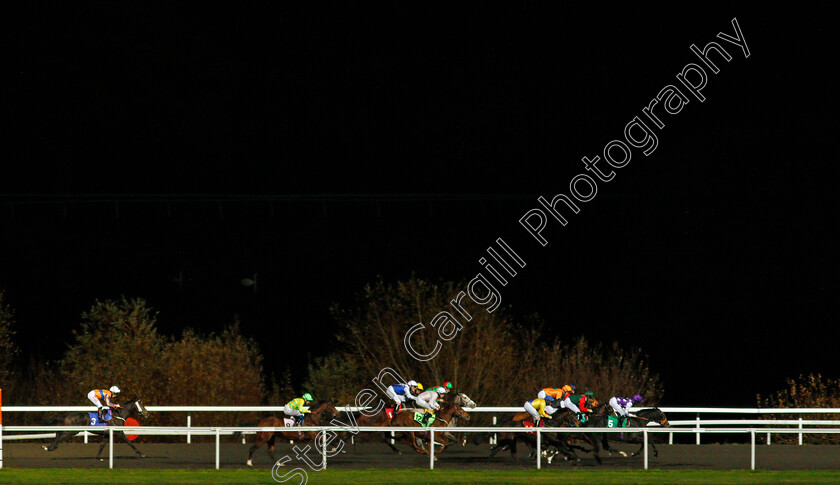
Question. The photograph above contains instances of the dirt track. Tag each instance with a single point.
(372, 455)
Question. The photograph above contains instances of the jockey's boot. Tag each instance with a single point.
(426, 417)
(102, 414)
(537, 422)
(398, 408)
(622, 422)
(298, 420)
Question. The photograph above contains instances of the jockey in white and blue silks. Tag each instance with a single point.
(400, 392)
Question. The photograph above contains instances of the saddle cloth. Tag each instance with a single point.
(419, 418)
(612, 422)
(95, 421)
(530, 424)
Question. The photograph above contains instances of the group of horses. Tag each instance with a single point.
(451, 413)
(564, 444)
(416, 435)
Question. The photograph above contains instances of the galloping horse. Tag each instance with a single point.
(118, 417)
(321, 413)
(561, 418)
(447, 411)
(640, 420)
(382, 418)
(464, 401)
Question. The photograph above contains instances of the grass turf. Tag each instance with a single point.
(438, 477)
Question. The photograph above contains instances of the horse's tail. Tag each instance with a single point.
(240, 434)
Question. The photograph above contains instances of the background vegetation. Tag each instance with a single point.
(812, 391)
(497, 359)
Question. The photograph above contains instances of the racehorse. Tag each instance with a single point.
(464, 401)
(640, 420)
(118, 417)
(447, 411)
(323, 412)
(382, 418)
(561, 418)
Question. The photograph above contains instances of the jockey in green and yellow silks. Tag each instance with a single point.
(296, 409)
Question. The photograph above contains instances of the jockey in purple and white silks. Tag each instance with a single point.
(622, 405)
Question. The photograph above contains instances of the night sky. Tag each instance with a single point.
(169, 151)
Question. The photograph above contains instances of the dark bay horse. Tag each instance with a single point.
(447, 411)
(561, 418)
(640, 420)
(322, 413)
(118, 417)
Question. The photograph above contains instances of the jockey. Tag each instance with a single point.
(578, 403)
(97, 396)
(558, 393)
(539, 408)
(447, 387)
(428, 401)
(295, 408)
(622, 405)
(400, 392)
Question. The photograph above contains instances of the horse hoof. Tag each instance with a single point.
(622, 454)
(249, 463)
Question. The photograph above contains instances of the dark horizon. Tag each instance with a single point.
(320, 150)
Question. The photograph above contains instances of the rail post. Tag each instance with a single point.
(752, 449)
(189, 425)
(110, 447)
(323, 447)
(645, 437)
(698, 428)
(217, 448)
(494, 440)
(800, 430)
(432, 449)
(539, 450)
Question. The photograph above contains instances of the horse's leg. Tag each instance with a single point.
(413, 439)
(595, 441)
(386, 438)
(59, 437)
(102, 445)
(259, 440)
(642, 447)
(270, 447)
(129, 443)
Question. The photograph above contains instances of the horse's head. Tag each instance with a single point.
(326, 409)
(566, 417)
(453, 409)
(661, 418)
(140, 408)
(132, 406)
(460, 413)
(464, 401)
(654, 414)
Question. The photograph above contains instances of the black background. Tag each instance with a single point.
(322, 147)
